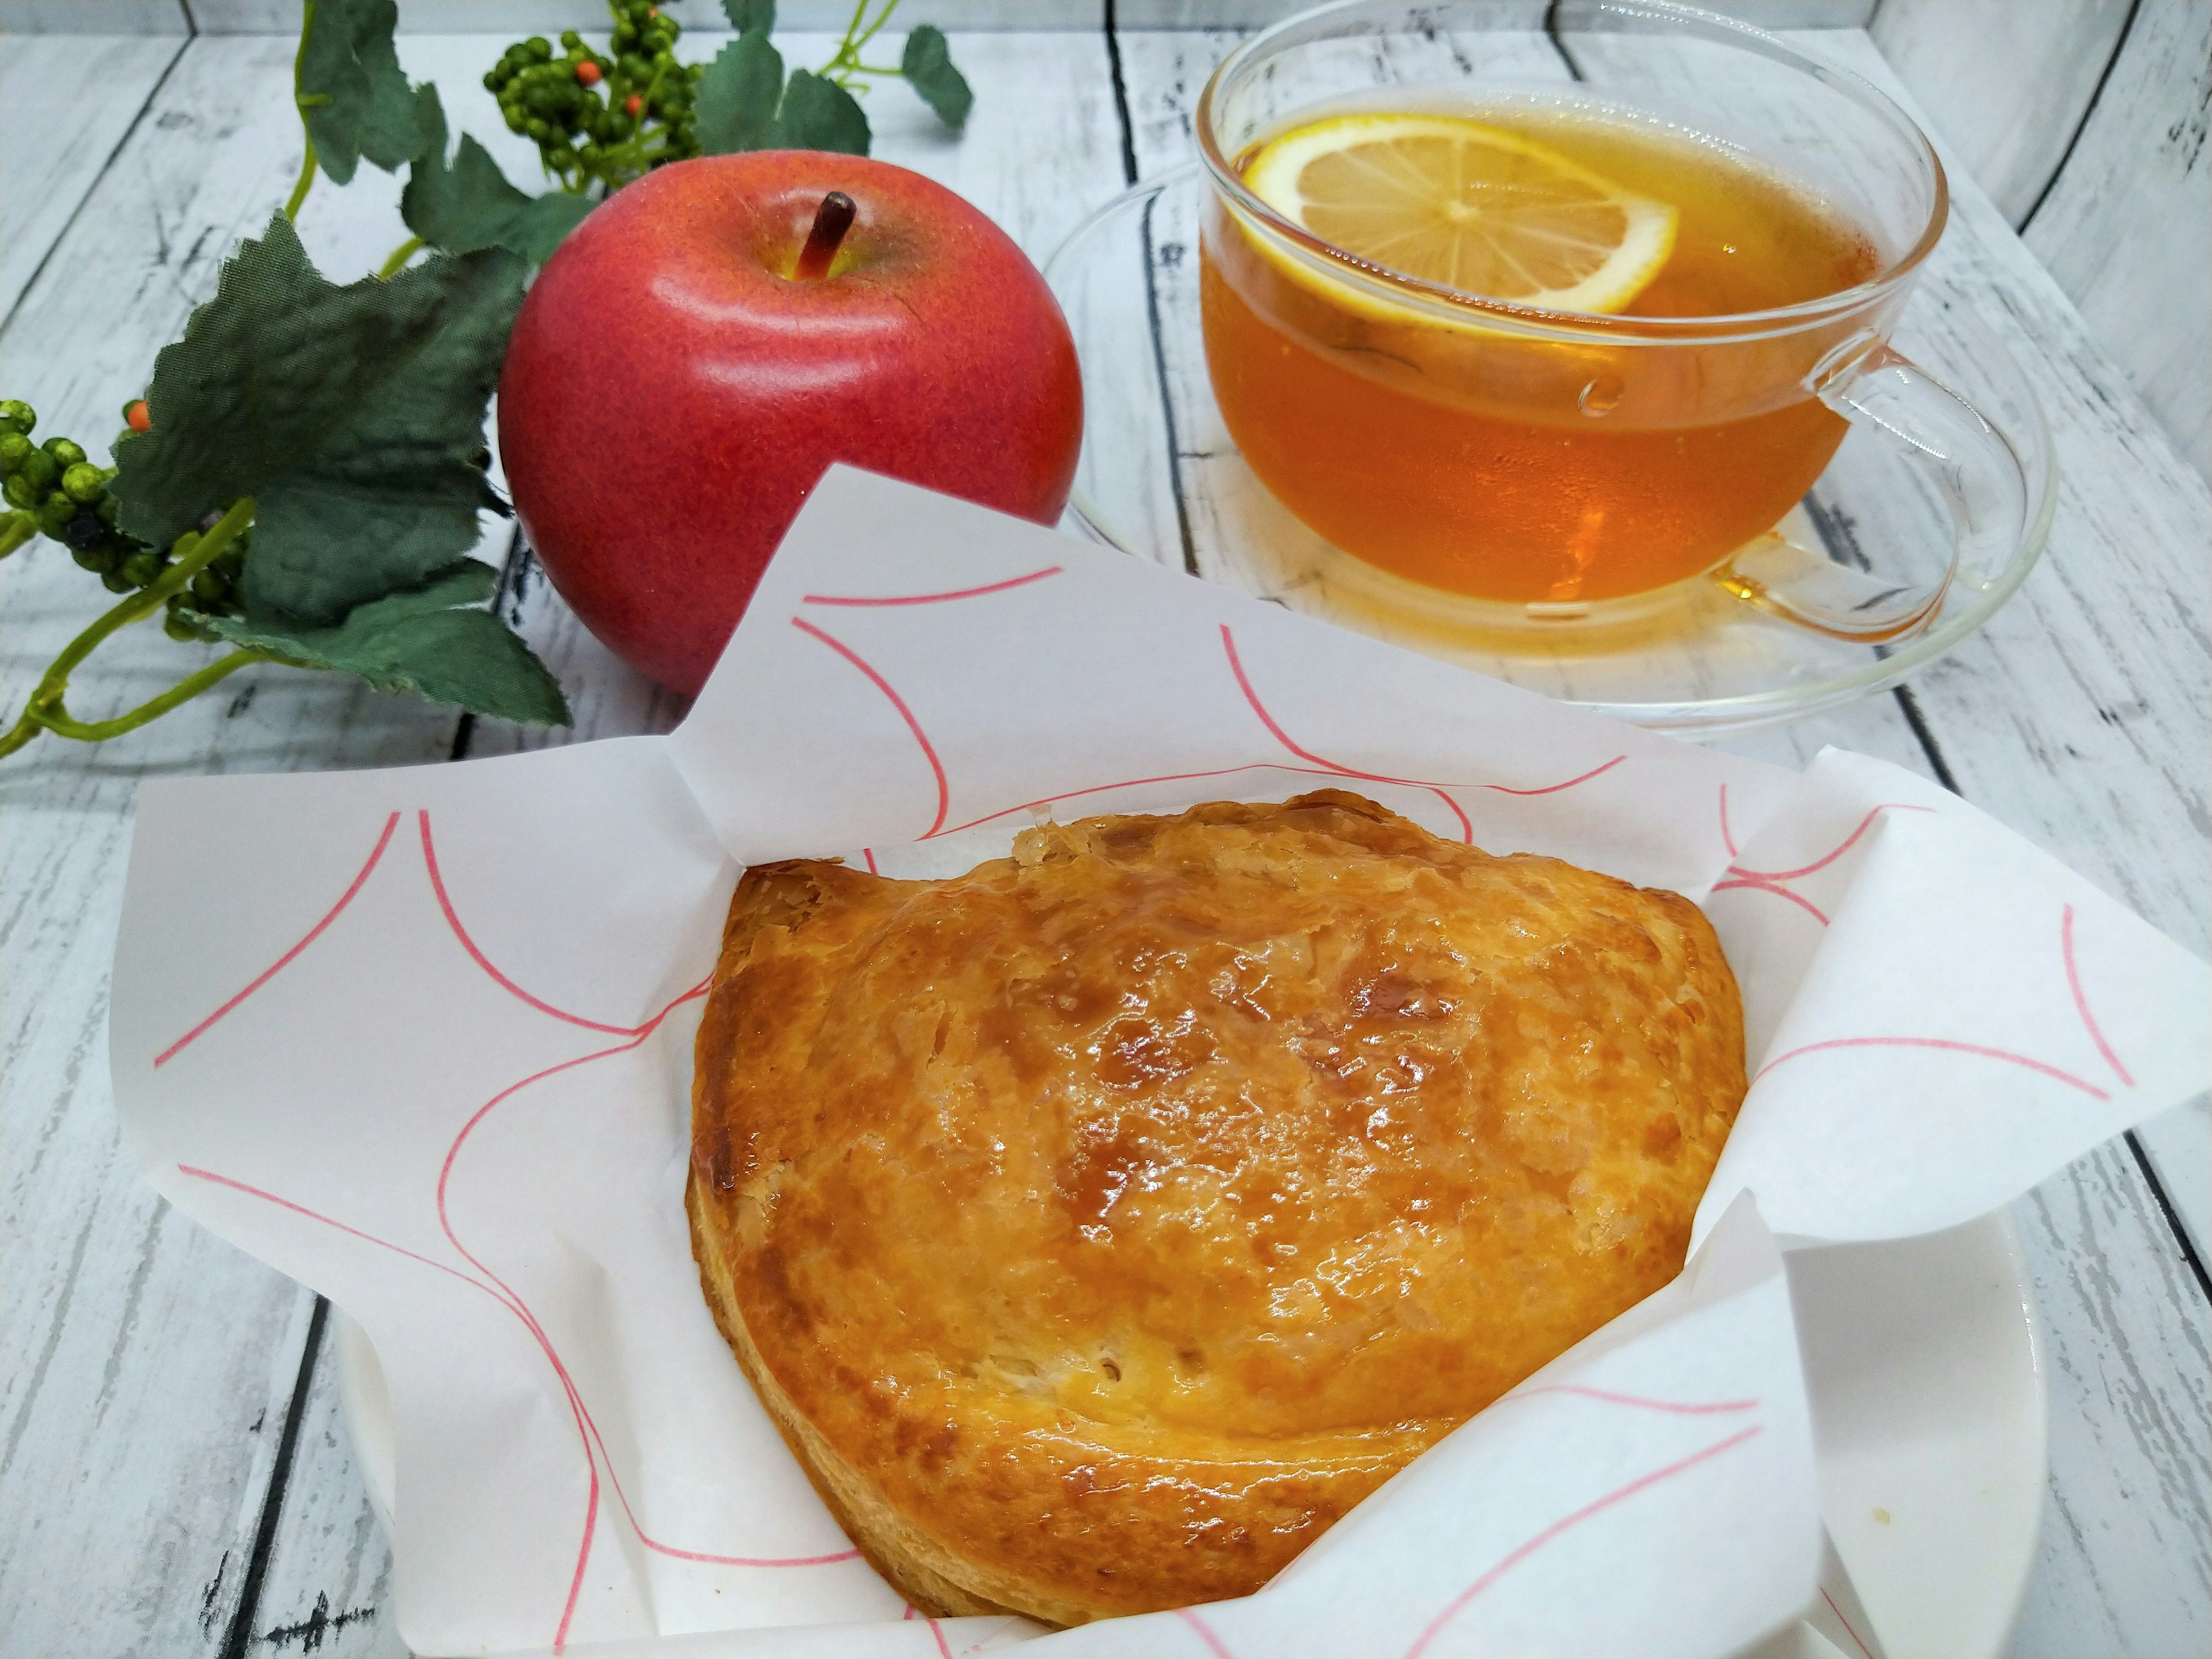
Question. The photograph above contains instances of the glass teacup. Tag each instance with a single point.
(1527, 462)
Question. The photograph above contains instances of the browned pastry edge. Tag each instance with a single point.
(831, 910)
(876, 1529)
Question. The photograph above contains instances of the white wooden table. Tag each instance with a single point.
(173, 1477)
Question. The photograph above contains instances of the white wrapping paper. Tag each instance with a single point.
(437, 1065)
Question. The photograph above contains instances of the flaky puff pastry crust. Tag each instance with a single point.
(1103, 1224)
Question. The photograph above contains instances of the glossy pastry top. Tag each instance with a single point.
(1125, 1211)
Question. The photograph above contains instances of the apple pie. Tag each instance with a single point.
(1101, 1225)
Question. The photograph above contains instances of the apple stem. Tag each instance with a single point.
(831, 221)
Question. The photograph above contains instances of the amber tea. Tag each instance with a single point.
(1438, 443)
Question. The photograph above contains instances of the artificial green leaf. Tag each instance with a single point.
(819, 114)
(435, 640)
(928, 65)
(353, 415)
(354, 95)
(471, 206)
(745, 15)
(734, 106)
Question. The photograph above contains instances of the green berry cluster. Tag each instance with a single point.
(596, 116)
(69, 497)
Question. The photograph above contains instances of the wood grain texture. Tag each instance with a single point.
(2125, 1318)
(2007, 82)
(107, 17)
(547, 16)
(2127, 229)
(70, 102)
(329, 1588)
(2126, 1566)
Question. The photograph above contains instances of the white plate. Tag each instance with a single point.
(1924, 1360)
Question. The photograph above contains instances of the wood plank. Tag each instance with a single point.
(2006, 81)
(2126, 1567)
(1247, 14)
(70, 100)
(152, 17)
(548, 17)
(2128, 1373)
(516, 18)
(2127, 229)
(329, 1589)
(147, 1360)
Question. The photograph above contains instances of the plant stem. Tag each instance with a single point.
(44, 709)
(400, 255)
(14, 530)
(845, 64)
(851, 28)
(183, 691)
(306, 181)
(876, 28)
(308, 164)
(17, 735)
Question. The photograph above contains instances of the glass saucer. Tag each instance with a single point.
(1160, 478)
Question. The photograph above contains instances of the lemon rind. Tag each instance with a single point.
(1646, 244)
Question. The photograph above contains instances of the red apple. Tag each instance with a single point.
(678, 380)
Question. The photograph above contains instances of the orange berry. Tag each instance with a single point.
(137, 418)
(632, 104)
(588, 73)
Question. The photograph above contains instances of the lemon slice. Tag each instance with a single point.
(1450, 200)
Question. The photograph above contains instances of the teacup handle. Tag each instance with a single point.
(1971, 465)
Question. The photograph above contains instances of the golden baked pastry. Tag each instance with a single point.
(1101, 1225)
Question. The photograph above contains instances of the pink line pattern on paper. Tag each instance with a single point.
(1214, 1645)
(591, 1503)
(1597, 771)
(1857, 1640)
(252, 1191)
(1565, 1523)
(1777, 882)
(1441, 792)
(2081, 1001)
(1779, 891)
(1132, 783)
(1320, 765)
(285, 961)
(1699, 1408)
(937, 598)
(589, 1435)
(929, 749)
(1945, 1044)
(936, 1630)
(1842, 847)
(1252, 697)
(460, 932)
(522, 1310)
